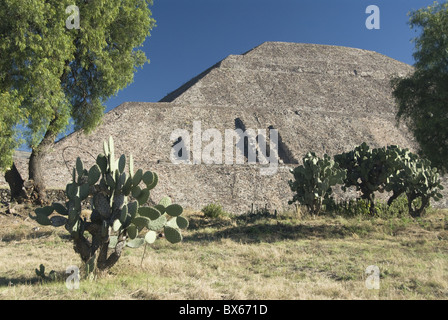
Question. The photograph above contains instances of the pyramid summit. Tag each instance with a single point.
(278, 74)
(326, 99)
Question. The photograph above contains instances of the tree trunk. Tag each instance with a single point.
(106, 262)
(35, 174)
(370, 197)
(82, 246)
(35, 162)
(394, 196)
(98, 244)
(15, 181)
(418, 212)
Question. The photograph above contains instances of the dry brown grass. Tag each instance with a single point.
(283, 258)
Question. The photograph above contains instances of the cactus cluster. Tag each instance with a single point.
(367, 169)
(414, 177)
(313, 181)
(390, 169)
(115, 219)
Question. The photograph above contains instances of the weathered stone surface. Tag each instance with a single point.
(325, 99)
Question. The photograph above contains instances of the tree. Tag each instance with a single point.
(422, 97)
(50, 74)
(10, 117)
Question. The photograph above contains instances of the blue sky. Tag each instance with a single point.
(193, 35)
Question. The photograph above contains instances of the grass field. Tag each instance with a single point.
(249, 257)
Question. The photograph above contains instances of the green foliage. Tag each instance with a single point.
(422, 96)
(313, 181)
(349, 208)
(115, 221)
(362, 207)
(398, 208)
(50, 74)
(11, 115)
(214, 210)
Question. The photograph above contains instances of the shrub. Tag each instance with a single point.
(398, 208)
(360, 207)
(214, 210)
(349, 208)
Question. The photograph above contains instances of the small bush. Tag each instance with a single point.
(398, 208)
(214, 210)
(349, 208)
(361, 207)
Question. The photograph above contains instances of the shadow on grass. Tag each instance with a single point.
(32, 280)
(264, 232)
(5, 281)
(25, 236)
(11, 237)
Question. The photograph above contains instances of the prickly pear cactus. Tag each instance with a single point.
(313, 181)
(414, 177)
(367, 170)
(115, 220)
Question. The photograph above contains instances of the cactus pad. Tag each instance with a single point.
(150, 237)
(173, 235)
(158, 224)
(132, 231)
(174, 210)
(149, 212)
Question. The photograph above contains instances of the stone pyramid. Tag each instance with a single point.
(320, 98)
